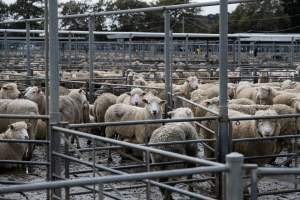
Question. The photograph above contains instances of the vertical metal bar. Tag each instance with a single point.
(46, 23)
(292, 51)
(254, 184)
(91, 57)
(223, 109)
(223, 137)
(239, 52)
(94, 166)
(46, 55)
(67, 166)
(100, 192)
(54, 82)
(207, 52)
(28, 67)
(69, 50)
(234, 178)
(187, 50)
(167, 55)
(130, 49)
(5, 50)
(148, 190)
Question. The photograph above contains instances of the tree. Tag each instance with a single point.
(99, 20)
(73, 7)
(130, 21)
(3, 12)
(292, 8)
(262, 16)
(26, 9)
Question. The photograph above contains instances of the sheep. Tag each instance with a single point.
(134, 133)
(63, 91)
(74, 108)
(14, 151)
(41, 130)
(250, 129)
(185, 90)
(288, 84)
(9, 91)
(21, 107)
(289, 99)
(261, 95)
(174, 132)
(101, 104)
(134, 97)
(36, 95)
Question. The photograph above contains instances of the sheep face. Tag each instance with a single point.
(193, 82)
(10, 91)
(263, 93)
(18, 130)
(153, 105)
(267, 127)
(180, 113)
(33, 93)
(136, 97)
(296, 104)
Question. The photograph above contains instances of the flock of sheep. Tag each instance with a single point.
(246, 99)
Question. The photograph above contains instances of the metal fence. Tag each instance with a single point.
(59, 160)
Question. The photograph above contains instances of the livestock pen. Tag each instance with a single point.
(79, 172)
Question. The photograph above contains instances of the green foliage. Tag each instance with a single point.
(74, 7)
(22, 9)
(292, 8)
(3, 13)
(262, 16)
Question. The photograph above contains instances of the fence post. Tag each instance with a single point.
(187, 50)
(91, 57)
(5, 50)
(28, 67)
(70, 50)
(234, 178)
(54, 90)
(167, 55)
(130, 50)
(239, 52)
(292, 51)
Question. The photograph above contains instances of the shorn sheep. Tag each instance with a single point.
(21, 107)
(134, 133)
(175, 132)
(14, 151)
(134, 97)
(101, 104)
(9, 91)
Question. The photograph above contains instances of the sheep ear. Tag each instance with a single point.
(29, 125)
(4, 88)
(162, 102)
(128, 93)
(80, 90)
(144, 93)
(145, 101)
(11, 127)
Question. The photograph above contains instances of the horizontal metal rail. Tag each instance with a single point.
(23, 162)
(124, 85)
(25, 141)
(149, 9)
(135, 146)
(16, 116)
(198, 105)
(264, 117)
(111, 179)
(123, 123)
(277, 171)
(266, 138)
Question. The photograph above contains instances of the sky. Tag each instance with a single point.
(205, 10)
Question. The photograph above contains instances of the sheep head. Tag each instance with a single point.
(33, 93)
(18, 130)
(180, 113)
(10, 91)
(136, 97)
(153, 105)
(192, 82)
(267, 127)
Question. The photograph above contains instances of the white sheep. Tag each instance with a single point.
(290, 99)
(175, 132)
(9, 91)
(36, 95)
(14, 151)
(101, 104)
(20, 107)
(134, 133)
(134, 97)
